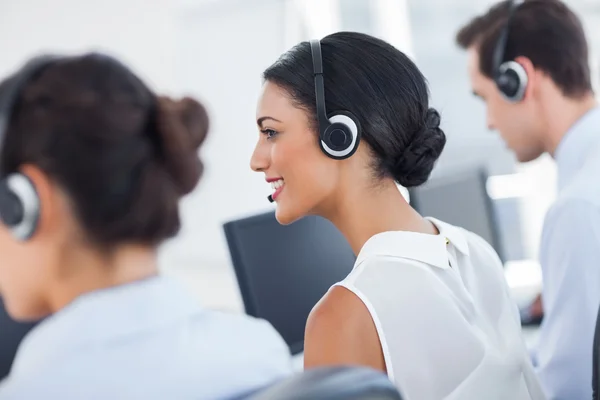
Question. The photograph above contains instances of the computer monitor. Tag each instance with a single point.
(11, 334)
(283, 271)
(460, 198)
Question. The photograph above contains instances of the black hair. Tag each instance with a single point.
(384, 90)
(123, 155)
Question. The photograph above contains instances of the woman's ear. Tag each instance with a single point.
(47, 198)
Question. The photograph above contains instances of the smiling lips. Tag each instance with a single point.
(277, 185)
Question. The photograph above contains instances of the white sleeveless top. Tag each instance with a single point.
(442, 309)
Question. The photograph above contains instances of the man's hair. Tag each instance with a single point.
(547, 32)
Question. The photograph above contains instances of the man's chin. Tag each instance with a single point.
(527, 157)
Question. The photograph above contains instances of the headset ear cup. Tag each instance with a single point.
(349, 126)
(19, 205)
(512, 81)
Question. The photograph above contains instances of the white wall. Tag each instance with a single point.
(138, 31)
(220, 55)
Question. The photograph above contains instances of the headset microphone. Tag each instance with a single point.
(270, 198)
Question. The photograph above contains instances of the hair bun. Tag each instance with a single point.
(182, 126)
(432, 119)
(416, 163)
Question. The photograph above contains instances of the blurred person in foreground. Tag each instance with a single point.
(98, 163)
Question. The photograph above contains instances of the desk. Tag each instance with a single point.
(525, 282)
(530, 334)
(524, 279)
(298, 362)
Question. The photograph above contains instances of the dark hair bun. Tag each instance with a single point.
(182, 126)
(416, 163)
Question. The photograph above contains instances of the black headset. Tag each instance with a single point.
(510, 76)
(339, 132)
(19, 201)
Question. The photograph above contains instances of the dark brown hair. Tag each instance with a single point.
(123, 155)
(545, 31)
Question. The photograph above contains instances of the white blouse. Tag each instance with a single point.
(442, 309)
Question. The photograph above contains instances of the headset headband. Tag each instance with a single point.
(315, 46)
(500, 50)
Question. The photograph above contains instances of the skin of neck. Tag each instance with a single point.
(86, 270)
(364, 210)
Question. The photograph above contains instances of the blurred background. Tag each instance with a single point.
(216, 51)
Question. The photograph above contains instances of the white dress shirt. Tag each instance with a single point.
(570, 261)
(146, 340)
(446, 323)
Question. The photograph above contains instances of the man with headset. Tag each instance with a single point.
(529, 63)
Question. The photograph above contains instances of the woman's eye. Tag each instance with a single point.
(270, 133)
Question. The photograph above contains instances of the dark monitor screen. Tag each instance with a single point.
(460, 198)
(11, 334)
(283, 271)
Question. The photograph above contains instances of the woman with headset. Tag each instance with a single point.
(341, 122)
(93, 165)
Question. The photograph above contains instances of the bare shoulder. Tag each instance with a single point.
(340, 330)
(339, 304)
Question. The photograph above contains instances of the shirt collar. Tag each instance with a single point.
(102, 315)
(572, 150)
(429, 249)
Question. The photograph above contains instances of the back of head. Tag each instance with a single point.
(546, 32)
(382, 88)
(122, 155)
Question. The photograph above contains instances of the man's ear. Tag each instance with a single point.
(531, 75)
